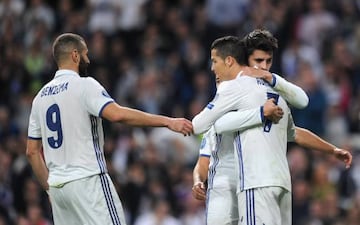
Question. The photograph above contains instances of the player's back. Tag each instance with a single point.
(245, 93)
(71, 130)
(262, 150)
(242, 93)
(231, 95)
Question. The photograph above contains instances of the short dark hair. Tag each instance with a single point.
(65, 43)
(230, 46)
(259, 39)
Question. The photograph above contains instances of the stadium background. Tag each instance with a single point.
(154, 55)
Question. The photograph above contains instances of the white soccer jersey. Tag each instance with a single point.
(261, 151)
(230, 96)
(220, 148)
(222, 161)
(246, 119)
(245, 93)
(72, 139)
(293, 94)
(204, 120)
(207, 143)
(262, 154)
(222, 178)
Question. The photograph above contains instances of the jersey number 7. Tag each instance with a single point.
(268, 123)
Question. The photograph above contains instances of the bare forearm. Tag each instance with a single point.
(134, 117)
(308, 139)
(40, 170)
(116, 113)
(201, 168)
(138, 118)
(199, 174)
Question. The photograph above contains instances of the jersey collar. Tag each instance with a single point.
(240, 73)
(66, 72)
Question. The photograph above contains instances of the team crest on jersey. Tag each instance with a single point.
(212, 103)
(203, 143)
(104, 93)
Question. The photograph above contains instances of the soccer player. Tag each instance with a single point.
(222, 207)
(65, 121)
(220, 204)
(259, 48)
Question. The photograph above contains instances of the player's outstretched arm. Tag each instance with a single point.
(292, 93)
(200, 174)
(310, 140)
(33, 153)
(116, 113)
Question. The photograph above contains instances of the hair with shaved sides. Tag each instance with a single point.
(230, 46)
(66, 43)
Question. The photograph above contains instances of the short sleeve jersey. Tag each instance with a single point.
(65, 115)
(207, 143)
(220, 149)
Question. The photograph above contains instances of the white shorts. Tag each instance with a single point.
(266, 205)
(221, 207)
(88, 201)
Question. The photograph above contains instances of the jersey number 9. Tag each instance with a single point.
(53, 122)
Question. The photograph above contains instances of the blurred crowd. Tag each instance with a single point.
(154, 55)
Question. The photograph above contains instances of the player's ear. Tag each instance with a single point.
(75, 56)
(229, 61)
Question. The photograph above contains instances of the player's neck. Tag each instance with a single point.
(235, 71)
(69, 67)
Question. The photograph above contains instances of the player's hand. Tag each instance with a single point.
(199, 191)
(258, 73)
(181, 125)
(344, 156)
(272, 111)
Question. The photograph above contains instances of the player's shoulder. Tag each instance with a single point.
(237, 85)
(226, 85)
(40, 92)
(246, 79)
(240, 80)
(90, 82)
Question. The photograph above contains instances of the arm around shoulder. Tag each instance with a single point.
(292, 93)
(239, 120)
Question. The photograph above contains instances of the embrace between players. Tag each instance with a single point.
(243, 152)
